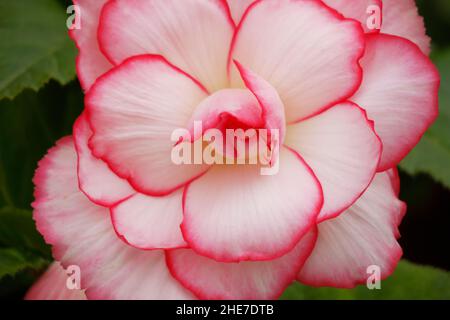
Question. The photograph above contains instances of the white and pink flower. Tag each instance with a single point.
(349, 102)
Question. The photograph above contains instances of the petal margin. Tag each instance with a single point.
(253, 280)
(357, 9)
(307, 52)
(362, 236)
(342, 148)
(133, 111)
(100, 184)
(150, 222)
(194, 35)
(229, 212)
(52, 285)
(399, 92)
(91, 63)
(81, 234)
(401, 18)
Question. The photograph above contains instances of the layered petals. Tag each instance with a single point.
(133, 111)
(150, 222)
(194, 35)
(401, 96)
(292, 53)
(210, 279)
(363, 236)
(100, 184)
(81, 234)
(401, 18)
(231, 210)
(91, 63)
(224, 106)
(342, 149)
(52, 285)
(360, 10)
(237, 8)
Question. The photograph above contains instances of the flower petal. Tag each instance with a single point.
(133, 111)
(358, 10)
(362, 236)
(81, 234)
(399, 92)
(342, 149)
(194, 35)
(101, 185)
(52, 285)
(231, 210)
(307, 52)
(401, 18)
(91, 63)
(238, 7)
(150, 222)
(210, 279)
(238, 104)
(271, 105)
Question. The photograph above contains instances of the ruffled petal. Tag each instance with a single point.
(342, 149)
(133, 112)
(307, 52)
(362, 236)
(238, 7)
(100, 184)
(82, 234)
(360, 10)
(52, 285)
(231, 210)
(399, 92)
(91, 63)
(210, 279)
(194, 35)
(150, 222)
(401, 18)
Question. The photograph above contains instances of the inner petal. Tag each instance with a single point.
(235, 125)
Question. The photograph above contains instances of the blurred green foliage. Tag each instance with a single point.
(35, 47)
(432, 154)
(409, 281)
(36, 54)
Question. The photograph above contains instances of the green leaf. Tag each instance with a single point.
(432, 154)
(409, 281)
(13, 261)
(18, 230)
(29, 125)
(35, 45)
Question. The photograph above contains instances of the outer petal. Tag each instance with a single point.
(238, 7)
(399, 92)
(356, 9)
(210, 279)
(133, 112)
(192, 34)
(231, 210)
(342, 149)
(96, 180)
(362, 236)
(52, 286)
(307, 52)
(91, 63)
(150, 222)
(401, 18)
(81, 234)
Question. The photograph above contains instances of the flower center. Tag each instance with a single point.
(229, 127)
